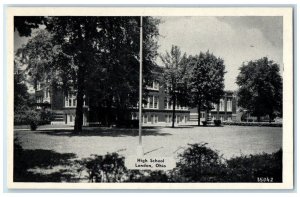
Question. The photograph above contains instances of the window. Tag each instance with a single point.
(202, 115)
(166, 103)
(155, 85)
(145, 118)
(155, 118)
(168, 118)
(155, 102)
(71, 118)
(229, 105)
(134, 116)
(38, 86)
(150, 102)
(178, 118)
(74, 102)
(47, 93)
(221, 105)
(70, 100)
(215, 106)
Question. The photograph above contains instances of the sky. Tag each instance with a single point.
(234, 39)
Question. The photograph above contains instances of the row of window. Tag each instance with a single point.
(71, 101)
(70, 119)
(222, 105)
(169, 105)
(153, 86)
(154, 118)
(222, 118)
(152, 102)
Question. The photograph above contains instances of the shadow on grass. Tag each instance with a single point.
(27, 160)
(179, 127)
(106, 132)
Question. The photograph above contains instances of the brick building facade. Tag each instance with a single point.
(157, 110)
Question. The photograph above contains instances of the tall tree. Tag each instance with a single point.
(106, 47)
(99, 55)
(174, 78)
(206, 81)
(83, 39)
(260, 88)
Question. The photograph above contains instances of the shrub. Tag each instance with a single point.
(28, 117)
(255, 124)
(147, 176)
(217, 123)
(204, 123)
(128, 123)
(250, 168)
(198, 163)
(46, 116)
(107, 168)
(33, 118)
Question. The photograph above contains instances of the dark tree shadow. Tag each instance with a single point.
(106, 132)
(24, 160)
(180, 127)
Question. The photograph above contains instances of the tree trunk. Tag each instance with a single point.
(199, 113)
(79, 107)
(81, 62)
(218, 111)
(173, 112)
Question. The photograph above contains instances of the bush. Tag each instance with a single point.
(254, 124)
(217, 123)
(128, 123)
(107, 168)
(46, 116)
(28, 117)
(204, 123)
(198, 163)
(250, 168)
(33, 118)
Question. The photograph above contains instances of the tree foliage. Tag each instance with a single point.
(206, 81)
(175, 77)
(43, 60)
(97, 56)
(21, 95)
(260, 88)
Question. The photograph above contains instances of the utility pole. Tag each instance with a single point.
(140, 151)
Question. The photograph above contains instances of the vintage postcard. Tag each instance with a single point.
(150, 98)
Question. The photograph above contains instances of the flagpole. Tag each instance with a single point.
(140, 151)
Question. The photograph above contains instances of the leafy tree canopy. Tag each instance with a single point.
(260, 87)
(175, 79)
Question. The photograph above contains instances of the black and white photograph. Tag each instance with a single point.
(150, 96)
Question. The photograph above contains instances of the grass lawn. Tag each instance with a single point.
(158, 141)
